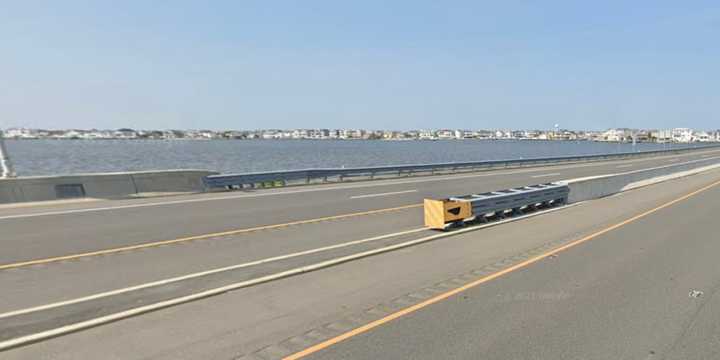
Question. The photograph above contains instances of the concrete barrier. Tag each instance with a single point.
(170, 181)
(594, 187)
(104, 186)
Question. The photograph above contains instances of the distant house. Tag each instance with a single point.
(483, 134)
(532, 134)
(682, 135)
(21, 133)
(716, 135)
(125, 134)
(643, 136)
(334, 134)
(445, 134)
(412, 134)
(427, 135)
(701, 136)
(564, 135)
(617, 135)
(662, 136)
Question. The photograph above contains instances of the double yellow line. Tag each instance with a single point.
(199, 237)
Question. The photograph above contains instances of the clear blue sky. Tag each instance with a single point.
(370, 64)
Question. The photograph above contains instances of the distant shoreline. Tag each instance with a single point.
(387, 140)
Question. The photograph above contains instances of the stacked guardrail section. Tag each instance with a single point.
(441, 213)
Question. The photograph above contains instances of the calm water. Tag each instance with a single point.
(52, 157)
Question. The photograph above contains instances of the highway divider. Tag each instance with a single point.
(595, 187)
(102, 186)
(444, 213)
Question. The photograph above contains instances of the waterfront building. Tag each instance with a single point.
(617, 135)
(682, 135)
(701, 136)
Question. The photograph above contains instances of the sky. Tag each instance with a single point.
(360, 64)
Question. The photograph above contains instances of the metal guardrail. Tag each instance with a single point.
(283, 178)
(440, 213)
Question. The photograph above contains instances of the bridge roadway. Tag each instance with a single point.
(247, 321)
(54, 230)
(646, 290)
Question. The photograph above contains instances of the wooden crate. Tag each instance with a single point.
(438, 213)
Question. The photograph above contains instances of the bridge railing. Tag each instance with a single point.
(308, 176)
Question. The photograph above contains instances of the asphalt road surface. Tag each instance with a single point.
(646, 290)
(64, 264)
(57, 230)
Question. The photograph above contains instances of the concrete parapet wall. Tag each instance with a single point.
(108, 185)
(170, 181)
(594, 187)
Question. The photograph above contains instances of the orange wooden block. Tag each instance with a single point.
(440, 212)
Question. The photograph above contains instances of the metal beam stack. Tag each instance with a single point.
(441, 213)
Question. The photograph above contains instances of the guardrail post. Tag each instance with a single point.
(6, 167)
(372, 175)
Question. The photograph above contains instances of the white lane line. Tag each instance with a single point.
(43, 335)
(545, 175)
(625, 166)
(673, 160)
(325, 188)
(204, 273)
(383, 194)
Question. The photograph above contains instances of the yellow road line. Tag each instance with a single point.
(200, 237)
(482, 280)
